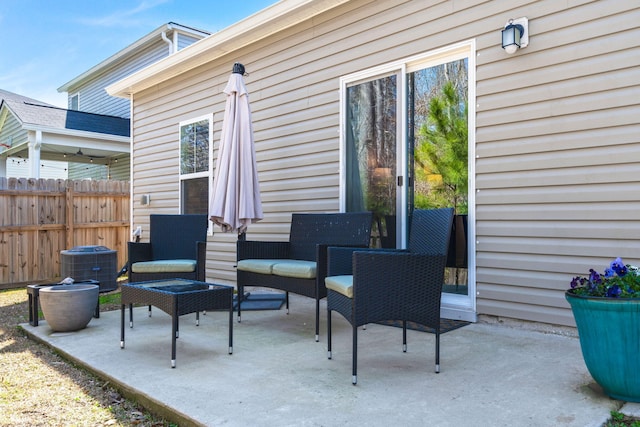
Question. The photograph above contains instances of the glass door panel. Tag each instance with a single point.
(437, 136)
(371, 154)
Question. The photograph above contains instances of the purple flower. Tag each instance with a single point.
(618, 266)
(575, 282)
(618, 281)
(614, 291)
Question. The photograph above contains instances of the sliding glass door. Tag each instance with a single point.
(407, 132)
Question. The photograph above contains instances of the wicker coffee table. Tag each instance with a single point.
(177, 297)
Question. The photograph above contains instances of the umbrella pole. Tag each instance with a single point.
(242, 236)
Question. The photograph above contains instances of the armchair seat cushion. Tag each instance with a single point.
(340, 284)
(300, 269)
(165, 266)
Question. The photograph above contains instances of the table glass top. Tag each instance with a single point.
(177, 285)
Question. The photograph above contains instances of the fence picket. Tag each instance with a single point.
(39, 218)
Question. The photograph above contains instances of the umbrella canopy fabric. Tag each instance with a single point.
(235, 200)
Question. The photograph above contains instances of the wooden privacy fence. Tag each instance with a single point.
(39, 218)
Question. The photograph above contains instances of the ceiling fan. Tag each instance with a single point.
(79, 153)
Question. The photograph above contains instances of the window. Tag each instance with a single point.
(74, 102)
(195, 164)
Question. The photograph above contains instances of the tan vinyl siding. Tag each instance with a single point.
(558, 157)
(557, 135)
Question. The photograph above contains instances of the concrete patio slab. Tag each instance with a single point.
(491, 375)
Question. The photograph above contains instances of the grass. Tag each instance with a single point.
(110, 299)
(38, 387)
(621, 420)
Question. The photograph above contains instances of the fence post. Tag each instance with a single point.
(69, 223)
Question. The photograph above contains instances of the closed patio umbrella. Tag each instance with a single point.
(235, 197)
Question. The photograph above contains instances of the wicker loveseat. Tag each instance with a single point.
(299, 265)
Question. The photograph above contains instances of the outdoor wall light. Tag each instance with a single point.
(515, 35)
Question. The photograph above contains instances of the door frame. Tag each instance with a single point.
(461, 307)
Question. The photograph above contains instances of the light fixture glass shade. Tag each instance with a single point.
(511, 37)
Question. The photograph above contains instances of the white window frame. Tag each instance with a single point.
(77, 96)
(207, 174)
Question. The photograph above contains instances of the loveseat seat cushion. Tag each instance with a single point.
(297, 268)
(260, 266)
(341, 284)
(300, 269)
(165, 266)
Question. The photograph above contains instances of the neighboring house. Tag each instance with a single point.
(90, 139)
(553, 133)
(33, 132)
(86, 91)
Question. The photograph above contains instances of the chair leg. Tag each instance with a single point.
(317, 320)
(286, 297)
(239, 300)
(354, 356)
(404, 336)
(437, 352)
(329, 334)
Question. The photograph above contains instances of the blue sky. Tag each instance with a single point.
(46, 43)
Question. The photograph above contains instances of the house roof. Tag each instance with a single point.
(131, 50)
(36, 115)
(275, 18)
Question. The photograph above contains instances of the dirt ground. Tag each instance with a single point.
(39, 388)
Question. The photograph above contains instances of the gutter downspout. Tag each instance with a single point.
(167, 41)
(176, 47)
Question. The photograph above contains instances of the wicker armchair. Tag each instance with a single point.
(368, 286)
(299, 265)
(176, 249)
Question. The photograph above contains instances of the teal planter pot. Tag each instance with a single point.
(609, 331)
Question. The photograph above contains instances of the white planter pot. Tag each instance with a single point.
(68, 307)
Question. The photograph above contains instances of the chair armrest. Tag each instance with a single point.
(138, 252)
(201, 261)
(252, 249)
(340, 258)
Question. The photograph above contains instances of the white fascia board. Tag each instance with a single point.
(90, 143)
(77, 133)
(129, 50)
(258, 26)
(86, 140)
